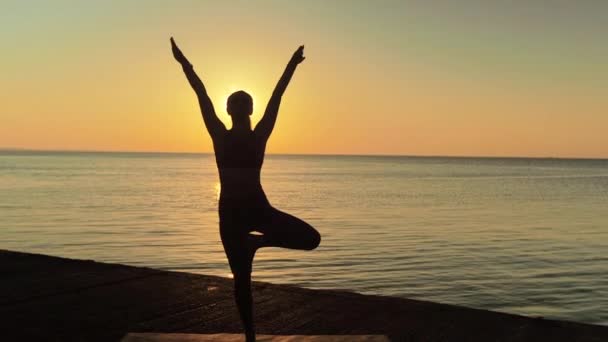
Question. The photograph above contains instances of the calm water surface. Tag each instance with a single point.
(527, 236)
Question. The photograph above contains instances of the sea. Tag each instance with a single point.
(517, 235)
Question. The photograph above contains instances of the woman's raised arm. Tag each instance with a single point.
(212, 122)
(266, 124)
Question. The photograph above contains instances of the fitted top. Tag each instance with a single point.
(242, 150)
(239, 158)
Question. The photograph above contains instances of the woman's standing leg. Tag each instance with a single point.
(240, 258)
(244, 302)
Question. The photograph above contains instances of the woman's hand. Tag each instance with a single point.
(298, 56)
(177, 53)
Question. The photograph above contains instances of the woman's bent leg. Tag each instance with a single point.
(287, 231)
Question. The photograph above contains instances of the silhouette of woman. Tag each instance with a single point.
(243, 206)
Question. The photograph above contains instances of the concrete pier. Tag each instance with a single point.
(44, 298)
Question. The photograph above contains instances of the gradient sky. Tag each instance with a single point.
(491, 78)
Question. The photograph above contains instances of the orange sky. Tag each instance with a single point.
(405, 78)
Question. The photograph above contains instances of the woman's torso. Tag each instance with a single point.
(239, 157)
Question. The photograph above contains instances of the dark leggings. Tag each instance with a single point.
(278, 229)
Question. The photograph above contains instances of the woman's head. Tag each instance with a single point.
(239, 104)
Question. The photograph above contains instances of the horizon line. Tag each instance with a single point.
(18, 149)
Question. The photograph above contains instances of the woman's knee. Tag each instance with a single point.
(314, 240)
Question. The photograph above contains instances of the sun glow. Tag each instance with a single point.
(227, 91)
(107, 86)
